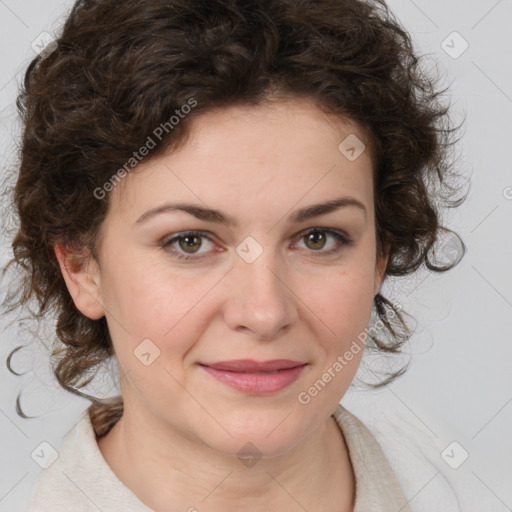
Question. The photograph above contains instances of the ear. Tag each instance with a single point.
(380, 270)
(82, 277)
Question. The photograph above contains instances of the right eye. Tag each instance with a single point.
(188, 244)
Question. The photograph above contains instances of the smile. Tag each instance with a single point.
(256, 378)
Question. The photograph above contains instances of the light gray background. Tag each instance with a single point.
(462, 350)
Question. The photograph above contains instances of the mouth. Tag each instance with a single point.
(256, 378)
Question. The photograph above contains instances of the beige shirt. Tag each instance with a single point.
(81, 480)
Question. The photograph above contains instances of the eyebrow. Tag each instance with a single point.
(208, 214)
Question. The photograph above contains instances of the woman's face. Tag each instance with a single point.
(256, 288)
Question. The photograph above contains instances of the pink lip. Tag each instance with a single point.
(253, 377)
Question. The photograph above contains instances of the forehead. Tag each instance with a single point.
(242, 155)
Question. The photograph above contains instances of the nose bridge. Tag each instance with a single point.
(261, 301)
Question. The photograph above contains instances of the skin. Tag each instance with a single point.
(176, 445)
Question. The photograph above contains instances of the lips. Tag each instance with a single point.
(254, 377)
(250, 366)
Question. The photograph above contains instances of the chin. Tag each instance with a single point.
(265, 434)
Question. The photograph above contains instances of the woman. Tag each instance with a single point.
(213, 193)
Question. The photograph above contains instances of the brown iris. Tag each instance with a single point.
(190, 243)
(317, 238)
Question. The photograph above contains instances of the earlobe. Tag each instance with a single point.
(81, 274)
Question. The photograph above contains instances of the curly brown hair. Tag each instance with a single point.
(123, 67)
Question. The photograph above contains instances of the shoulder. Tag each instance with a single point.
(80, 479)
(54, 488)
(377, 487)
(434, 462)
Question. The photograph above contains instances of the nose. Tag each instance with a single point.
(262, 303)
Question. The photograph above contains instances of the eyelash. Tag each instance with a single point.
(339, 236)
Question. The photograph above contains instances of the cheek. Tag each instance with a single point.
(342, 301)
(154, 303)
(341, 311)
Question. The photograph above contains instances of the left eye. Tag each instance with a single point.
(318, 237)
(190, 243)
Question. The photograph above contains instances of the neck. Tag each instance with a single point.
(166, 467)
